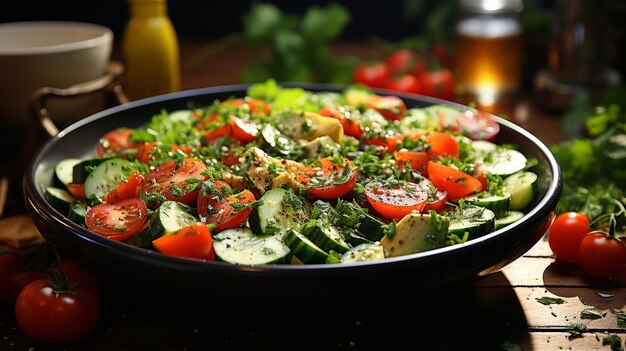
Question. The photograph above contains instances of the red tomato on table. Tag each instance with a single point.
(373, 75)
(565, 235)
(602, 256)
(438, 83)
(54, 314)
(406, 83)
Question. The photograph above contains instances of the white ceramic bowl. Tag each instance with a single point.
(45, 53)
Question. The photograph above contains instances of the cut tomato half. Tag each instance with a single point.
(194, 241)
(327, 179)
(117, 221)
(456, 183)
(217, 204)
(396, 201)
(172, 181)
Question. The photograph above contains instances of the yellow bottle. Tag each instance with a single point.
(150, 50)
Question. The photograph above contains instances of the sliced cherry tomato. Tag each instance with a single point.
(438, 83)
(456, 183)
(255, 106)
(151, 151)
(396, 201)
(436, 198)
(77, 190)
(401, 61)
(327, 180)
(179, 182)
(476, 125)
(114, 142)
(223, 146)
(391, 107)
(406, 83)
(442, 144)
(404, 138)
(417, 159)
(350, 126)
(602, 256)
(566, 233)
(117, 221)
(194, 241)
(52, 313)
(373, 75)
(237, 128)
(125, 190)
(218, 205)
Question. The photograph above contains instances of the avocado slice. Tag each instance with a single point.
(416, 232)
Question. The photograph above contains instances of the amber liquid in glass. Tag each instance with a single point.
(488, 56)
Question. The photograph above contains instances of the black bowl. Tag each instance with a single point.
(149, 269)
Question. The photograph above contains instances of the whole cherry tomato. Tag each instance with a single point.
(373, 75)
(438, 83)
(566, 233)
(407, 83)
(601, 255)
(50, 311)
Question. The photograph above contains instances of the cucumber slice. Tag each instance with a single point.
(241, 246)
(328, 238)
(364, 252)
(505, 162)
(105, 177)
(277, 140)
(81, 170)
(77, 212)
(170, 217)
(511, 217)
(281, 210)
(523, 188)
(499, 204)
(60, 199)
(64, 171)
(416, 232)
(474, 220)
(303, 248)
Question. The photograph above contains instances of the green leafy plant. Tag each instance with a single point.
(297, 45)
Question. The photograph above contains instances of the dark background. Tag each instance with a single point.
(392, 20)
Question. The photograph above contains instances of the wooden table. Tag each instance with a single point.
(498, 312)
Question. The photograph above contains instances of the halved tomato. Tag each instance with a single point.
(391, 107)
(76, 189)
(329, 179)
(396, 201)
(417, 159)
(455, 182)
(114, 141)
(117, 221)
(124, 190)
(150, 151)
(442, 144)
(217, 204)
(476, 125)
(237, 128)
(350, 126)
(174, 181)
(194, 241)
(255, 106)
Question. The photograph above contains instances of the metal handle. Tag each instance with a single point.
(109, 83)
